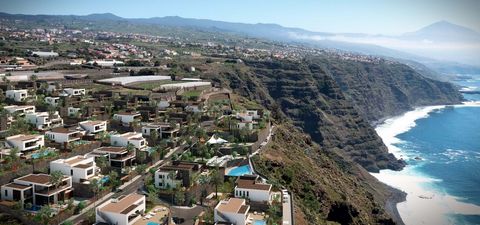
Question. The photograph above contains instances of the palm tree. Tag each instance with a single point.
(154, 136)
(95, 187)
(56, 178)
(215, 179)
(203, 180)
(44, 215)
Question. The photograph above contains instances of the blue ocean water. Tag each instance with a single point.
(447, 143)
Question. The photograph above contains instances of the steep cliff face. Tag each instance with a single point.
(311, 99)
(384, 89)
(326, 188)
(330, 102)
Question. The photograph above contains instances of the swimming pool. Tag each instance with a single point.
(260, 222)
(240, 170)
(38, 155)
(152, 223)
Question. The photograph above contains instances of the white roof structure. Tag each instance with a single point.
(214, 140)
(132, 79)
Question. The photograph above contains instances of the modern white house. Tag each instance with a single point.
(26, 142)
(73, 111)
(20, 110)
(118, 157)
(44, 121)
(93, 126)
(233, 210)
(127, 117)
(53, 101)
(164, 130)
(80, 168)
(37, 189)
(73, 92)
(63, 135)
(134, 138)
(17, 95)
(125, 210)
(253, 188)
(165, 179)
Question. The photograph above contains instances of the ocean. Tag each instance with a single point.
(441, 145)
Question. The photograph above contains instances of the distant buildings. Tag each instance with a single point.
(127, 117)
(63, 135)
(251, 187)
(93, 126)
(20, 110)
(45, 54)
(118, 157)
(105, 63)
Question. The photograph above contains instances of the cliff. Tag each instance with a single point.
(326, 187)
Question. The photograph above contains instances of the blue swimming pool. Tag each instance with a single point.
(240, 170)
(38, 155)
(152, 223)
(260, 222)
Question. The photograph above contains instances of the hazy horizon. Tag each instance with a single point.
(369, 17)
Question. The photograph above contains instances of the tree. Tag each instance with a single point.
(130, 147)
(180, 196)
(44, 215)
(113, 178)
(102, 162)
(203, 181)
(154, 136)
(140, 169)
(215, 179)
(56, 178)
(95, 188)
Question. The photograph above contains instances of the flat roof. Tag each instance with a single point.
(93, 122)
(123, 205)
(36, 178)
(23, 137)
(17, 186)
(250, 182)
(63, 130)
(233, 205)
(112, 149)
(74, 160)
(127, 113)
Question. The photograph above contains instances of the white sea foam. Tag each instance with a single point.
(424, 205)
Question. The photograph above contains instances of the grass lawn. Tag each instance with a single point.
(192, 93)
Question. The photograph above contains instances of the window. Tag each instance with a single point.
(247, 193)
(71, 172)
(6, 193)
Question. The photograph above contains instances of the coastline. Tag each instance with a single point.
(409, 188)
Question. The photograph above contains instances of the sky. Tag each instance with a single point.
(346, 16)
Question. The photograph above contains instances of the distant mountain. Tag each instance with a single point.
(388, 46)
(444, 31)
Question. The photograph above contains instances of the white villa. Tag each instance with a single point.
(134, 138)
(44, 121)
(63, 135)
(251, 187)
(93, 126)
(73, 92)
(53, 101)
(233, 210)
(80, 168)
(117, 157)
(20, 109)
(26, 142)
(37, 189)
(17, 95)
(127, 117)
(125, 210)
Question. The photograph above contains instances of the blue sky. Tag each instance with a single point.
(365, 16)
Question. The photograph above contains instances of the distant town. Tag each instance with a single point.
(99, 128)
